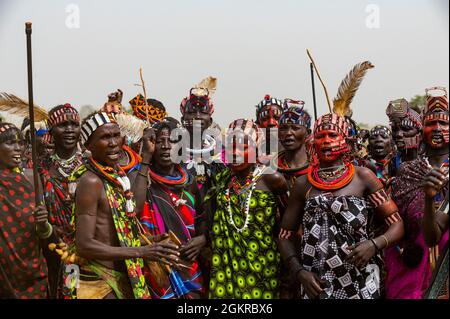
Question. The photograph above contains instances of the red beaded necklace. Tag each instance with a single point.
(338, 183)
(171, 181)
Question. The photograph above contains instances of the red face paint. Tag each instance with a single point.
(436, 130)
(329, 145)
(244, 154)
(269, 116)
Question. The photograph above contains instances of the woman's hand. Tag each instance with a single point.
(361, 253)
(311, 283)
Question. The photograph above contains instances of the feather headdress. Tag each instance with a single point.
(12, 104)
(206, 86)
(348, 88)
(131, 126)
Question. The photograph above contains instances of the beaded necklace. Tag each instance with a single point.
(133, 158)
(283, 166)
(254, 177)
(344, 177)
(66, 166)
(181, 179)
(118, 177)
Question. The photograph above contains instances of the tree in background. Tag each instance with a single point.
(417, 103)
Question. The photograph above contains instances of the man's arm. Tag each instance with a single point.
(88, 195)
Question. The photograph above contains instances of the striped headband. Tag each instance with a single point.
(436, 103)
(268, 100)
(62, 113)
(294, 113)
(332, 121)
(249, 128)
(5, 127)
(95, 121)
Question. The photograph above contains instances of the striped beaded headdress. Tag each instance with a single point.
(93, 122)
(62, 113)
(295, 113)
(437, 105)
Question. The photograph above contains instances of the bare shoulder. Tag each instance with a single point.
(364, 172)
(368, 178)
(89, 183)
(276, 182)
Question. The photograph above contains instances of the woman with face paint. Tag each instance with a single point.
(245, 260)
(337, 257)
(410, 263)
(268, 113)
(23, 228)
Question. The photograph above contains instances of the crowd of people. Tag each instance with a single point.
(337, 212)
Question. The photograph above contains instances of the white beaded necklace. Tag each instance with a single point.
(255, 177)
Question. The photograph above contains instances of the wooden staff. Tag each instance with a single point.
(313, 91)
(145, 94)
(320, 78)
(31, 111)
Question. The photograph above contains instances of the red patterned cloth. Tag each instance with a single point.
(23, 273)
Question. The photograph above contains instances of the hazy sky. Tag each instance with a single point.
(253, 47)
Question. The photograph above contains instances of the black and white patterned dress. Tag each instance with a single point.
(331, 224)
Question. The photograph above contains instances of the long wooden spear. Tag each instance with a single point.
(31, 110)
(320, 78)
(313, 91)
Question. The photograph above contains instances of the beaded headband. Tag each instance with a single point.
(294, 113)
(378, 129)
(437, 105)
(5, 127)
(198, 100)
(268, 100)
(61, 114)
(332, 121)
(95, 121)
(249, 127)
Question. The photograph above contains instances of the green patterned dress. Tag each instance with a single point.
(244, 264)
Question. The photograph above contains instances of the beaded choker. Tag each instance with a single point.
(343, 176)
(66, 166)
(180, 180)
(282, 166)
(133, 158)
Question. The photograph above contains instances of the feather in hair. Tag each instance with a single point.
(348, 88)
(131, 126)
(12, 104)
(210, 83)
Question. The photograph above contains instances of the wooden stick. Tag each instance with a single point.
(313, 91)
(320, 78)
(145, 94)
(28, 31)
